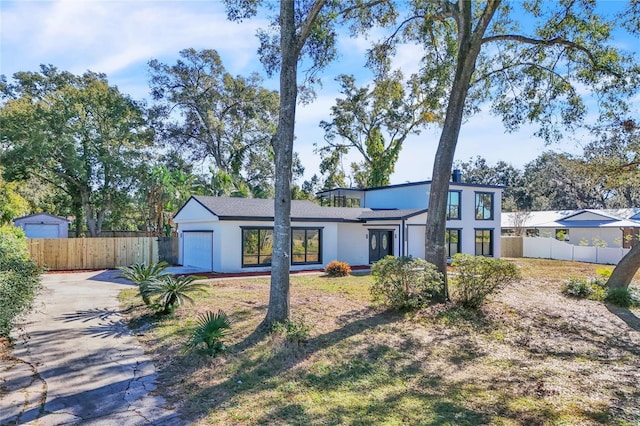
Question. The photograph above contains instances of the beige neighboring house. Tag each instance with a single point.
(585, 227)
(43, 225)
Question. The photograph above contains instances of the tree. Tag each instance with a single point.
(376, 121)
(304, 28)
(76, 133)
(12, 204)
(531, 73)
(227, 119)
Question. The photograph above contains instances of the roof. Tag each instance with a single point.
(229, 208)
(424, 182)
(60, 218)
(610, 218)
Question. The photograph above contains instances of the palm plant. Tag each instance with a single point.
(144, 276)
(212, 327)
(174, 291)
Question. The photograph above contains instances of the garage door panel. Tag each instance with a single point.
(198, 250)
(41, 230)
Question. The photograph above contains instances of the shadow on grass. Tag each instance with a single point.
(630, 318)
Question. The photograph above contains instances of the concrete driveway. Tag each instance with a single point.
(75, 361)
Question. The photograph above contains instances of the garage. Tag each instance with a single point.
(43, 225)
(198, 249)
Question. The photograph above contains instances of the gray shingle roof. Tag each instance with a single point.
(259, 208)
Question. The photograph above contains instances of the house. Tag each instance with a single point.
(359, 226)
(585, 227)
(43, 225)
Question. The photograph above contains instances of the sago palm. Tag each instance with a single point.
(172, 292)
(143, 276)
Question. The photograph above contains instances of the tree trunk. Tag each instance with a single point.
(627, 267)
(469, 44)
(278, 310)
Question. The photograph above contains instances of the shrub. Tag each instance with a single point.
(337, 269)
(619, 296)
(143, 276)
(293, 330)
(585, 288)
(19, 277)
(405, 283)
(171, 292)
(211, 328)
(478, 277)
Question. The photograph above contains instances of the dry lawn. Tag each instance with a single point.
(532, 356)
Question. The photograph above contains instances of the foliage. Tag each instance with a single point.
(19, 277)
(229, 120)
(293, 330)
(620, 296)
(584, 288)
(144, 276)
(404, 283)
(171, 292)
(478, 277)
(211, 328)
(77, 133)
(12, 203)
(337, 268)
(375, 122)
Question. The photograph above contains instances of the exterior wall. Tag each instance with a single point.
(352, 244)
(43, 219)
(587, 216)
(468, 223)
(403, 197)
(611, 236)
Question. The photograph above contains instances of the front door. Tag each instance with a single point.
(380, 244)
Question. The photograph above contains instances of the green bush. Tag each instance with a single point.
(478, 276)
(211, 328)
(619, 296)
(585, 288)
(294, 330)
(337, 269)
(405, 283)
(19, 277)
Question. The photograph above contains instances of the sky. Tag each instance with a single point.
(118, 38)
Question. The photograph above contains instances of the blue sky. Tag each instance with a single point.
(119, 38)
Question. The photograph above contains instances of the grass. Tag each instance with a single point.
(530, 356)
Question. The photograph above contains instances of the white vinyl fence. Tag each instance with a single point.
(550, 248)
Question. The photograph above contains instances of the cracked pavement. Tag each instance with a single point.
(75, 361)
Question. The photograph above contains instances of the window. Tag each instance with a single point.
(484, 242)
(484, 205)
(306, 246)
(452, 240)
(257, 246)
(453, 205)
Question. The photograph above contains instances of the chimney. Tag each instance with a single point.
(456, 176)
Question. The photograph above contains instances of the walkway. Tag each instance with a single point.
(75, 361)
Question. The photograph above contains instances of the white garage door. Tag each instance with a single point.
(41, 230)
(198, 250)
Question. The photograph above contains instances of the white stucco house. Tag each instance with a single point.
(358, 226)
(43, 225)
(585, 227)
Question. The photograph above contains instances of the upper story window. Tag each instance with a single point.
(484, 205)
(453, 205)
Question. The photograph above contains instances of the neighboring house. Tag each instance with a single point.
(236, 234)
(586, 227)
(43, 225)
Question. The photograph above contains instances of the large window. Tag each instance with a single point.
(452, 241)
(306, 246)
(484, 205)
(453, 205)
(257, 246)
(484, 242)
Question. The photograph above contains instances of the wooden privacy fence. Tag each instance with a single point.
(64, 254)
(511, 247)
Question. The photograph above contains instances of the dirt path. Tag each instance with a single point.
(75, 361)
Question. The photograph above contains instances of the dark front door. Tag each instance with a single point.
(380, 244)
